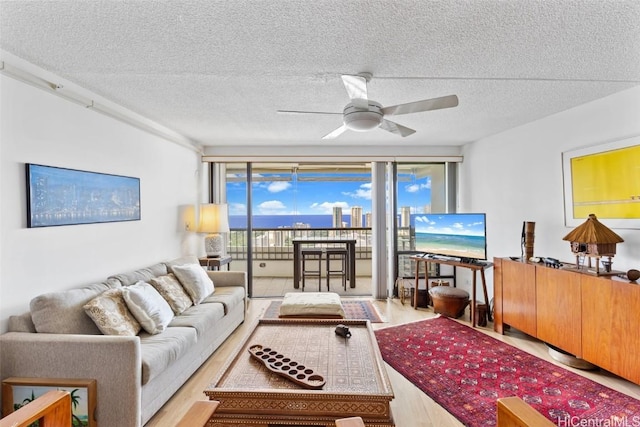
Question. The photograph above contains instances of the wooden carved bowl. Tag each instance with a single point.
(633, 275)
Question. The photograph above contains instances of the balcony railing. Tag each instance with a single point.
(276, 243)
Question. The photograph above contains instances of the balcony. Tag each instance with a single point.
(272, 258)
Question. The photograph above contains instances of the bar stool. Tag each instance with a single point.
(337, 254)
(311, 255)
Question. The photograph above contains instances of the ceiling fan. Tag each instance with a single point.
(363, 114)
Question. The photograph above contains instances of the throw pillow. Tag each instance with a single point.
(148, 307)
(62, 312)
(173, 292)
(111, 315)
(195, 281)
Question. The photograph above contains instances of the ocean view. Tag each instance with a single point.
(277, 221)
(452, 244)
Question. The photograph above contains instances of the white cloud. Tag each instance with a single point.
(363, 192)
(327, 207)
(278, 186)
(414, 188)
(424, 219)
(237, 209)
(271, 207)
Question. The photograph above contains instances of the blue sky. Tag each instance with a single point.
(273, 197)
(456, 224)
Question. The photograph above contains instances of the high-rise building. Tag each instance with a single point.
(356, 217)
(405, 216)
(337, 217)
(367, 220)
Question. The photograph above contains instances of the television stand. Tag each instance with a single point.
(472, 261)
(474, 267)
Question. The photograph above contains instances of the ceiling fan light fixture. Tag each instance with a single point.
(360, 120)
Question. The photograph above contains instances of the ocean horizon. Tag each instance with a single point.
(282, 221)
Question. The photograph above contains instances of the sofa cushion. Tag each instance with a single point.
(181, 261)
(200, 317)
(311, 304)
(63, 313)
(111, 315)
(195, 281)
(160, 351)
(143, 274)
(172, 291)
(22, 323)
(228, 296)
(148, 307)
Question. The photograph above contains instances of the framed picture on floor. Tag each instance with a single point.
(18, 391)
(60, 196)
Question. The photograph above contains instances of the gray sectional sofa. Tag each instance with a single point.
(135, 374)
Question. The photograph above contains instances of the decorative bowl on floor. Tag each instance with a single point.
(569, 359)
(633, 275)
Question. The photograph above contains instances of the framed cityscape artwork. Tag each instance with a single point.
(17, 392)
(59, 196)
(603, 180)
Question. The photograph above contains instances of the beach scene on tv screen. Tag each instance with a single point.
(457, 235)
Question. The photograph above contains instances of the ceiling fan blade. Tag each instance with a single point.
(357, 89)
(393, 127)
(424, 105)
(335, 133)
(304, 112)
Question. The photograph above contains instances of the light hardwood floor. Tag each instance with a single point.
(411, 407)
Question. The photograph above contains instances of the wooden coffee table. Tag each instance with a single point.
(356, 379)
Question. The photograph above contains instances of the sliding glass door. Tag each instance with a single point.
(270, 204)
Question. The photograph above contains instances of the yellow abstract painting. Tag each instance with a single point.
(607, 184)
(605, 181)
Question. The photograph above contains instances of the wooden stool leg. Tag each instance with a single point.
(320, 272)
(345, 272)
(328, 271)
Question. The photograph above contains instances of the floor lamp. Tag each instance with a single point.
(214, 219)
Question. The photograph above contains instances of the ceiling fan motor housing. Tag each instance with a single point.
(362, 119)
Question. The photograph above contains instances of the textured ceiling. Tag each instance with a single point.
(217, 71)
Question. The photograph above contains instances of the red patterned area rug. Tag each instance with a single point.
(353, 309)
(465, 371)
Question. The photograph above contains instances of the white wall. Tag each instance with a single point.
(37, 127)
(516, 176)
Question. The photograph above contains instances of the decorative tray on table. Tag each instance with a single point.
(287, 368)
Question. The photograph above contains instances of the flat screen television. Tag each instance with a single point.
(459, 235)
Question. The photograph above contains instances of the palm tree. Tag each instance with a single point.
(75, 399)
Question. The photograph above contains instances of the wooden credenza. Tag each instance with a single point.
(596, 318)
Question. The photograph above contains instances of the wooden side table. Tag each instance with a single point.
(477, 267)
(216, 263)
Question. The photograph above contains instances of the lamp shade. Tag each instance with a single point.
(214, 218)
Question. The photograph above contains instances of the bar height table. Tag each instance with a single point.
(351, 249)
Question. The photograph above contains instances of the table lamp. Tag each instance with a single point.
(214, 219)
